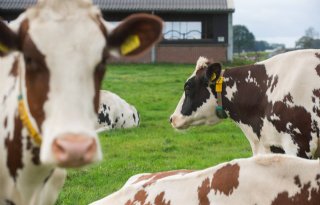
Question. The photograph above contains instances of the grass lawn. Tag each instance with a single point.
(155, 145)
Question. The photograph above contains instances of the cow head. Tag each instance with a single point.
(198, 103)
(64, 47)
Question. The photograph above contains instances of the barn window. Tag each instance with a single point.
(175, 30)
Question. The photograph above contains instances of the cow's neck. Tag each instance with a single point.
(244, 94)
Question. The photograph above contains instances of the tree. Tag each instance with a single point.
(312, 33)
(309, 40)
(261, 45)
(304, 42)
(243, 39)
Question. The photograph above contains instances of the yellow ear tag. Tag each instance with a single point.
(130, 44)
(3, 48)
(213, 77)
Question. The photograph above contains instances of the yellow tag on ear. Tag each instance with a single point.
(219, 85)
(130, 44)
(3, 48)
(213, 77)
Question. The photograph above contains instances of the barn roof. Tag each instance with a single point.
(142, 5)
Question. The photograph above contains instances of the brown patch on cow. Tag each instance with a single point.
(35, 151)
(15, 68)
(140, 196)
(297, 181)
(318, 179)
(305, 196)
(226, 179)
(159, 200)
(203, 192)
(156, 176)
(37, 80)
(101, 67)
(14, 150)
(290, 119)
(5, 123)
(274, 84)
(23, 31)
(316, 108)
(244, 109)
(318, 70)
(98, 77)
(288, 98)
(318, 67)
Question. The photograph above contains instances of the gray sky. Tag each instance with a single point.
(278, 21)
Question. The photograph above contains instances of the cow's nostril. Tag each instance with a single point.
(58, 148)
(170, 119)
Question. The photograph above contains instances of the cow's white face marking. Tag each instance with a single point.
(71, 60)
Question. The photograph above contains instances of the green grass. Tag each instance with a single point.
(155, 145)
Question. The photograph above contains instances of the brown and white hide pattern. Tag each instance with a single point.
(57, 51)
(115, 113)
(261, 180)
(276, 103)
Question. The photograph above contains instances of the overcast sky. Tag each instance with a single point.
(278, 21)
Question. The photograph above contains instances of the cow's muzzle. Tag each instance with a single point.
(74, 150)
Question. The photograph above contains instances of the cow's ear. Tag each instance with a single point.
(213, 72)
(8, 39)
(135, 35)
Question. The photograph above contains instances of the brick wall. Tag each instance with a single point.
(145, 58)
(190, 53)
(179, 53)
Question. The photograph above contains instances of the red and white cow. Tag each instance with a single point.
(275, 102)
(51, 65)
(262, 180)
(114, 113)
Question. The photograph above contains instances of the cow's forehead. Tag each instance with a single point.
(73, 38)
(68, 37)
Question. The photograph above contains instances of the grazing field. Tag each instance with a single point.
(155, 145)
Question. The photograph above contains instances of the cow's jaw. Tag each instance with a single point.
(71, 61)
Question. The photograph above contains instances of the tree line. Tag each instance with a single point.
(244, 40)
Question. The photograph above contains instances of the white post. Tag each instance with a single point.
(153, 50)
(230, 38)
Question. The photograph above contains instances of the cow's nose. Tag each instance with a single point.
(170, 119)
(74, 150)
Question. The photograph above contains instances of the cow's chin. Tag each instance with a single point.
(185, 123)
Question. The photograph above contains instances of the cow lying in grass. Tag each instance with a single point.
(276, 102)
(52, 61)
(261, 180)
(114, 113)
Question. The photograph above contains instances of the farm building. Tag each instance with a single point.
(192, 28)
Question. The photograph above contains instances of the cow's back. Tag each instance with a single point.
(264, 180)
(296, 73)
